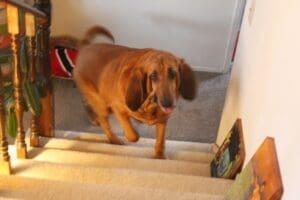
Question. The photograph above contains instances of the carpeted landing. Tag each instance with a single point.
(78, 165)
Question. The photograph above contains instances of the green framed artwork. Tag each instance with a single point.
(230, 157)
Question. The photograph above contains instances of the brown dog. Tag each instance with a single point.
(143, 84)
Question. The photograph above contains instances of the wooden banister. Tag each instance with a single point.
(31, 44)
(46, 120)
(17, 81)
(27, 8)
(5, 167)
(13, 19)
(38, 20)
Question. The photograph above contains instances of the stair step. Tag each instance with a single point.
(124, 177)
(144, 142)
(125, 150)
(31, 188)
(77, 165)
(115, 161)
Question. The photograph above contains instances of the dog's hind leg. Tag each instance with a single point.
(101, 111)
(92, 116)
(129, 132)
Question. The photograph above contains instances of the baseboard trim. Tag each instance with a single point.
(207, 69)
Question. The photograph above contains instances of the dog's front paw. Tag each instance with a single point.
(160, 156)
(132, 137)
(116, 140)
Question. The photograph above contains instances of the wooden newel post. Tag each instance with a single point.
(13, 29)
(31, 41)
(46, 120)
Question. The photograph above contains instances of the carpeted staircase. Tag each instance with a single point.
(85, 166)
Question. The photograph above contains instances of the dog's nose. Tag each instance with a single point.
(167, 103)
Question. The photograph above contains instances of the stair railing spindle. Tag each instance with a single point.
(13, 29)
(5, 166)
(31, 41)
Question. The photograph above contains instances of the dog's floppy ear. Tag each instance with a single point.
(137, 90)
(187, 87)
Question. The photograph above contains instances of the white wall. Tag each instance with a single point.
(197, 30)
(264, 89)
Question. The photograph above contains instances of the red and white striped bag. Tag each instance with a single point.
(63, 61)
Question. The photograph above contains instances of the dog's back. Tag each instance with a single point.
(91, 58)
(99, 66)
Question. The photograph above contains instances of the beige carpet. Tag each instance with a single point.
(28, 188)
(85, 166)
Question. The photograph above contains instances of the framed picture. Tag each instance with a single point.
(229, 159)
(260, 179)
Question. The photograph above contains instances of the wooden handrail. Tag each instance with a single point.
(27, 8)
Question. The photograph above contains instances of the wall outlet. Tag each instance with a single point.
(251, 12)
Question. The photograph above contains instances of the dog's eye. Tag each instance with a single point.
(154, 76)
(171, 74)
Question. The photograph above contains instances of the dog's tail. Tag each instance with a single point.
(93, 32)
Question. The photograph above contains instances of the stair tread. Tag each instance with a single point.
(126, 150)
(144, 142)
(78, 165)
(116, 161)
(31, 188)
(125, 177)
